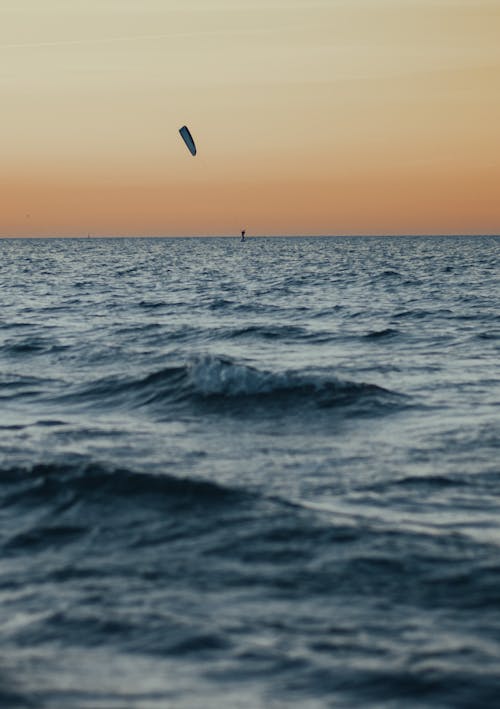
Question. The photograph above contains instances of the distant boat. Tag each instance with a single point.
(188, 139)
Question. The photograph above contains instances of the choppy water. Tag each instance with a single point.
(250, 475)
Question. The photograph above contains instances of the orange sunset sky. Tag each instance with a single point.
(310, 117)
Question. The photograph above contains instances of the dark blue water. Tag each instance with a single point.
(250, 475)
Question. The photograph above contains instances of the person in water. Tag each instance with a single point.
(242, 235)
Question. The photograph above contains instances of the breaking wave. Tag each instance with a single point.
(211, 379)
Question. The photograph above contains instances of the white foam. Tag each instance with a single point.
(210, 375)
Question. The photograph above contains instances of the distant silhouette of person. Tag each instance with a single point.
(242, 235)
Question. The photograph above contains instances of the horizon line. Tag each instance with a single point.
(254, 236)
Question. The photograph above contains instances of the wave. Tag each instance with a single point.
(64, 485)
(14, 387)
(422, 314)
(32, 345)
(270, 332)
(279, 333)
(388, 332)
(220, 381)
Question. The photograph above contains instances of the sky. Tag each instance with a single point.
(310, 117)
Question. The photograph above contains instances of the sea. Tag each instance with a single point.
(243, 475)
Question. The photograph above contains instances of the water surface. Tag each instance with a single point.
(250, 475)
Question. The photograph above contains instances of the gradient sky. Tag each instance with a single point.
(310, 116)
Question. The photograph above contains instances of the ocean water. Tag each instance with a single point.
(250, 475)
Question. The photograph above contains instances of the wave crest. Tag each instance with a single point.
(220, 381)
(211, 376)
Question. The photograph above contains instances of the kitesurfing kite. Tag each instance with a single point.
(188, 139)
